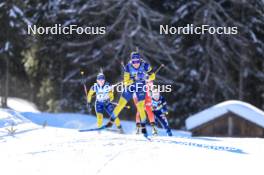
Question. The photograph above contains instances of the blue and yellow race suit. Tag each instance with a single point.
(104, 96)
(159, 108)
(135, 82)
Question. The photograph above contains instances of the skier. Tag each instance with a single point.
(148, 108)
(137, 72)
(159, 108)
(104, 97)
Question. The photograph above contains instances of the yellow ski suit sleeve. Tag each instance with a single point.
(152, 75)
(111, 95)
(90, 95)
(127, 79)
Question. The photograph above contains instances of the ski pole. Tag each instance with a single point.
(158, 69)
(84, 86)
(85, 90)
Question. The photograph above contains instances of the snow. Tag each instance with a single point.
(81, 121)
(36, 150)
(245, 110)
(2, 4)
(21, 105)
(56, 149)
(7, 46)
(9, 117)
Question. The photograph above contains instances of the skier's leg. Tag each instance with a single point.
(99, 109)
(137, 114)
(141, 105)
(150, 114)
(148, 106)
(121, 103)
(109, 109)
(141, 110)
(99, 117)
(167, 125)
(164, 122)
(160, 120)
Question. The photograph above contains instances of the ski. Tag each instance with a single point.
(93, 129)
(104, 127)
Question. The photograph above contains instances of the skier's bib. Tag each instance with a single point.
(102, 92)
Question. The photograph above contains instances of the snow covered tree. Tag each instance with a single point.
(213, 68)
(13, 40)
(202, 69)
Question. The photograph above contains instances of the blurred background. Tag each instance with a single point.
(202, 69)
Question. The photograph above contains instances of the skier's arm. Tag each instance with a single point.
(111, 95)
(90, 95)
(127, 79)
(151, 73)
(164, 106)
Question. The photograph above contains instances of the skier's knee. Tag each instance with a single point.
(121, 104)
(141, 110)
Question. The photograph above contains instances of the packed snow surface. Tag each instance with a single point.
(65, 151)
(59, 149)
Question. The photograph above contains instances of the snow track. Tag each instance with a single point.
(40, 151)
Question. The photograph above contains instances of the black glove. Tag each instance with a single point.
(89, 108)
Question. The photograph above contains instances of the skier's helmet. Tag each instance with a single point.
(135, 57)
(100, 76)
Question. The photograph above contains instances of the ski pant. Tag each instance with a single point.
(100, 107)
(161, 118)
(127, 95)
(148, 108)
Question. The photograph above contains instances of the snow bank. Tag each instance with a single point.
(62, 120)
(82, 121)
(10, 117)
(21, 105)
(245, 110)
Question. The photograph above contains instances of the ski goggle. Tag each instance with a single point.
(135, 61)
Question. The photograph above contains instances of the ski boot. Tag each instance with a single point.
(138, 128)
(120, 129)
(154, 129)
(169, 133)
(144, 130)
(109, 124)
